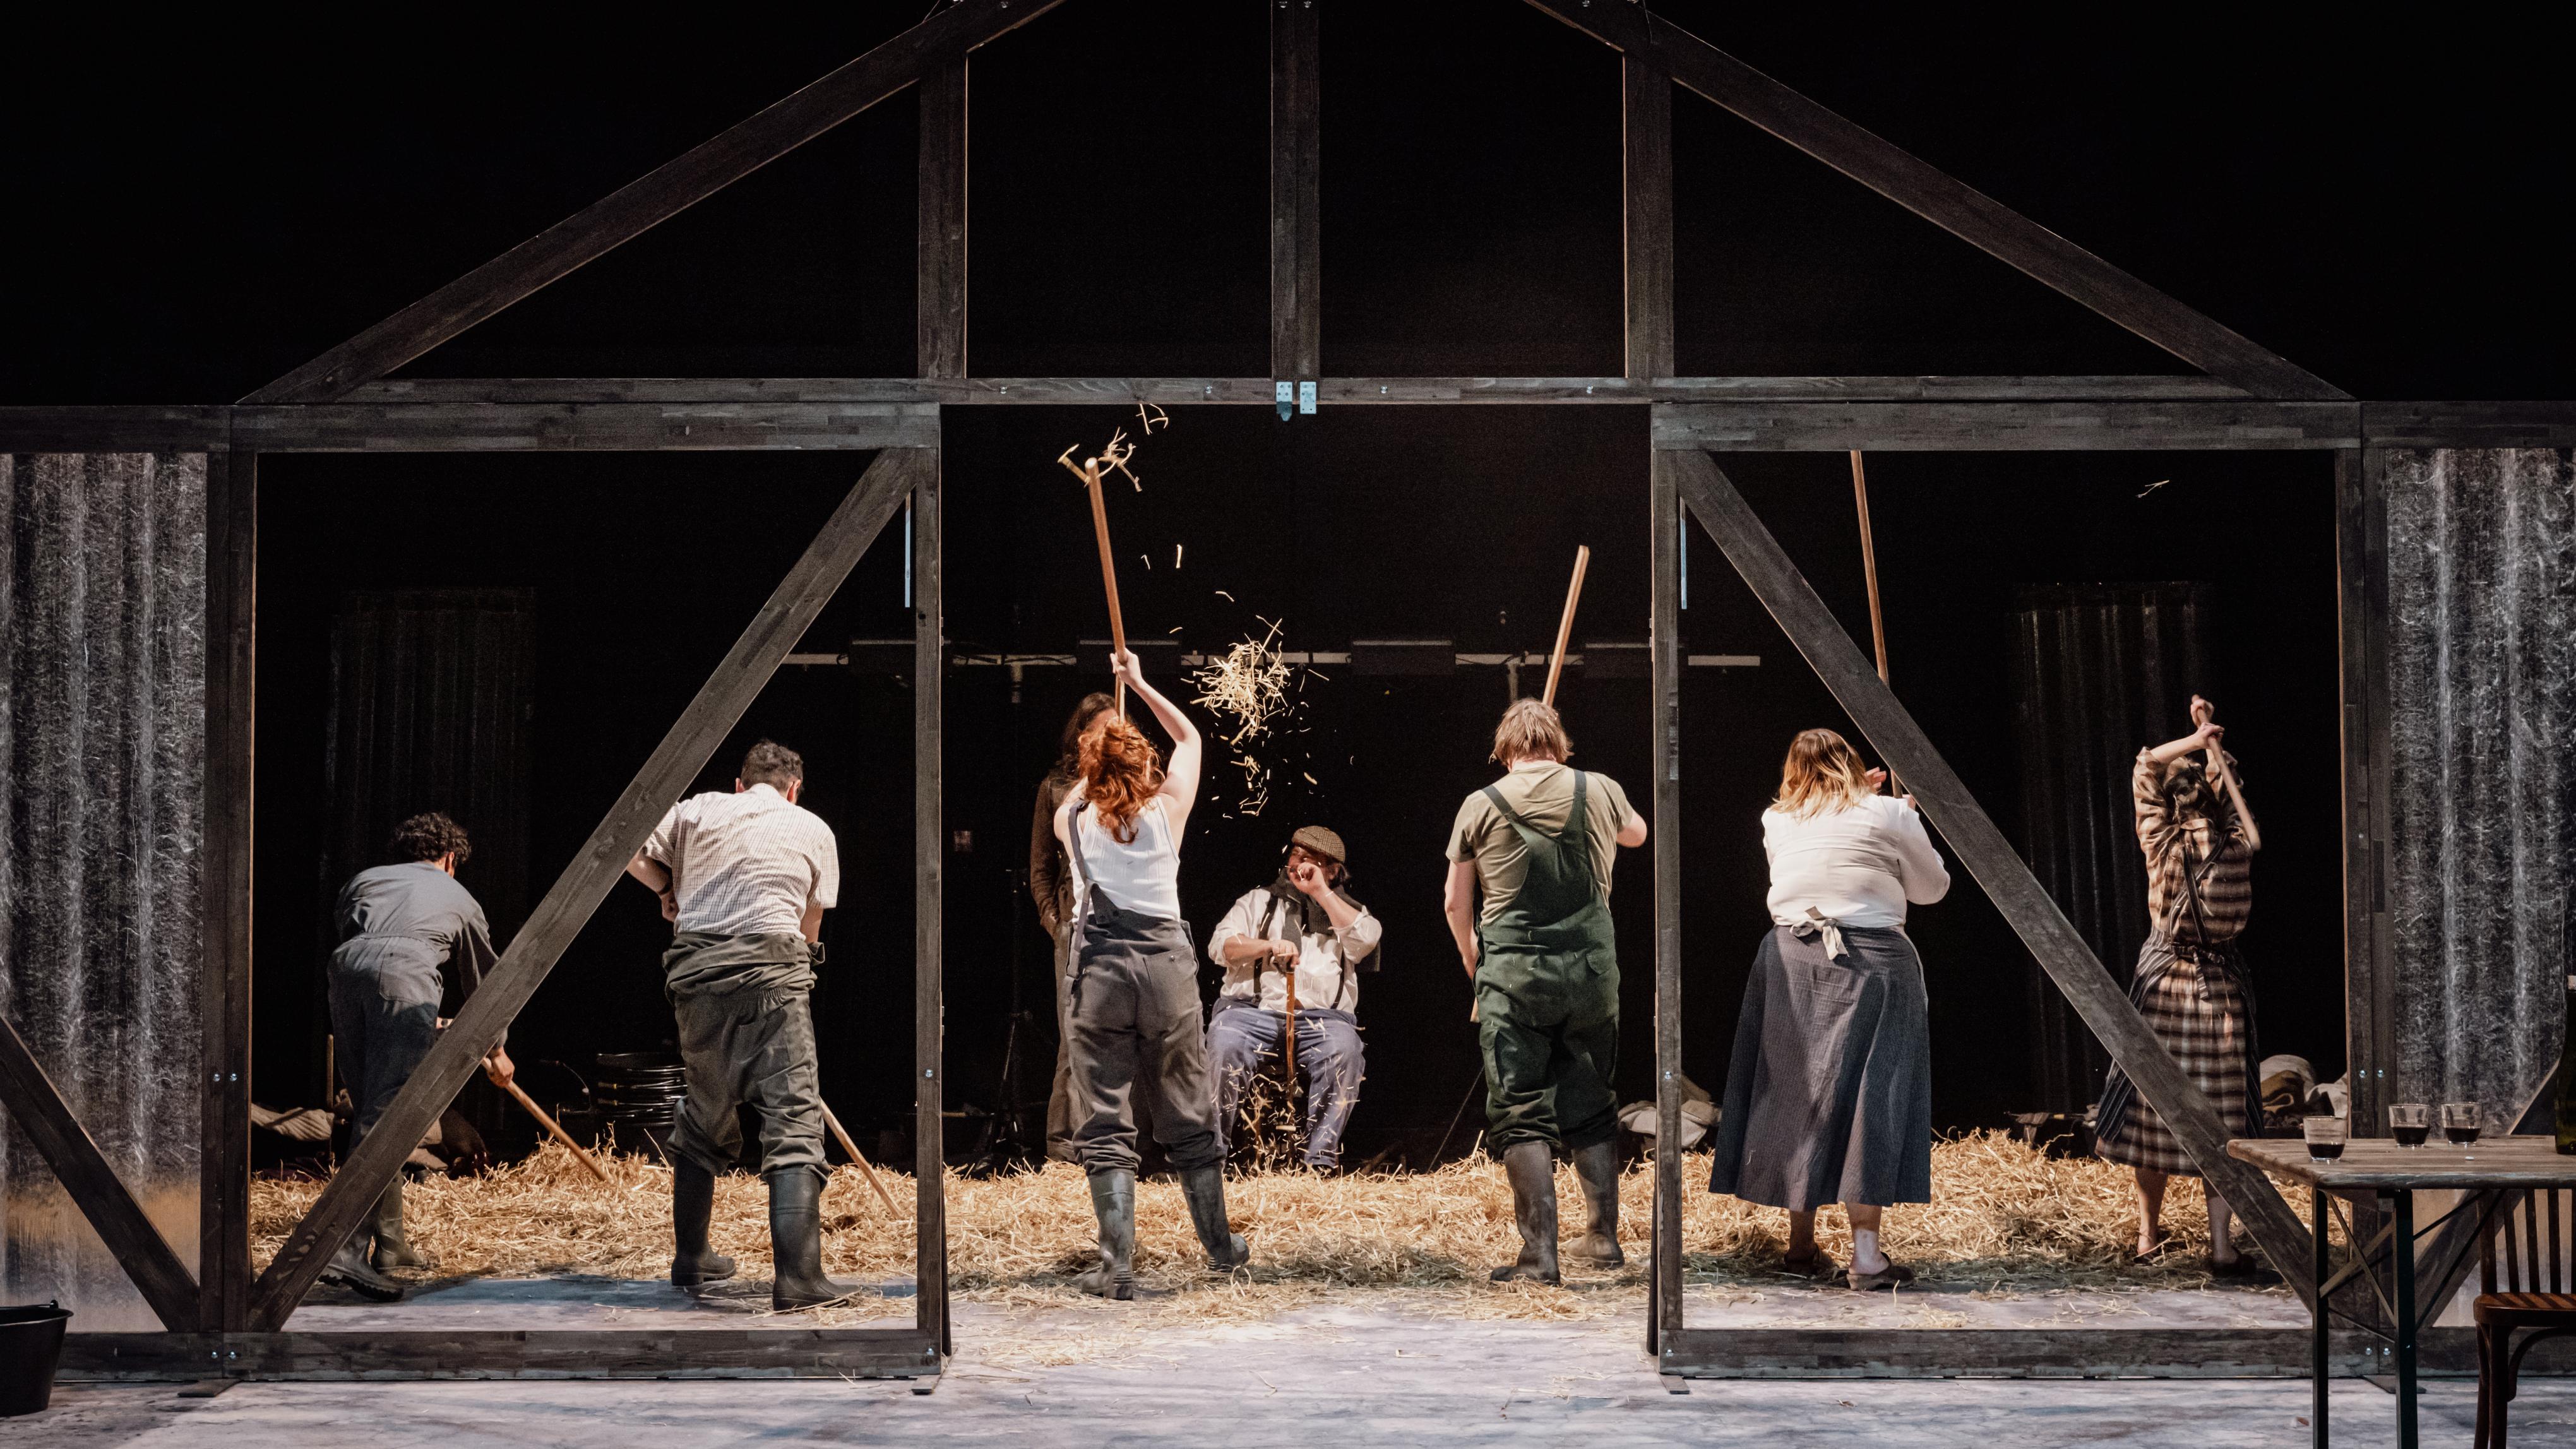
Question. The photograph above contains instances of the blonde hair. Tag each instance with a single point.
(1530, 728)
(1822, 773)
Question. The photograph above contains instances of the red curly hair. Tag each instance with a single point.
(1123, 770)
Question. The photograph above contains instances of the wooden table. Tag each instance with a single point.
(2487, 1174)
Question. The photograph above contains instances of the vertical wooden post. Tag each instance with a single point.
(1296, 234)
(929, 849)
(223, 1190)
(2361, 611)
(1663, 632)
(939, 305)
(1646, 171)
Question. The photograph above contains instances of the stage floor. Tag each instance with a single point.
(1344, 1372)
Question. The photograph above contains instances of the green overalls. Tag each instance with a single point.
(1547, 995)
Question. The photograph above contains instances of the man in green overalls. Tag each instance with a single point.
(1540, 843)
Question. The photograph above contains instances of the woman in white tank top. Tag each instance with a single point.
(1134, 1024)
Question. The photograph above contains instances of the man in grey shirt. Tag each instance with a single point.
(399, 924)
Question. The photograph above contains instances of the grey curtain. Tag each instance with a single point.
(102, 754)
(2482, 696)
(2099, 670)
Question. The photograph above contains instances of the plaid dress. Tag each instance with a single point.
(2191, 984)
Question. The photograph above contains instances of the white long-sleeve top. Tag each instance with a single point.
(1859, 865)
(1321, 956)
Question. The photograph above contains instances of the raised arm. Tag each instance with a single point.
(1181, 774)
(2202, 713)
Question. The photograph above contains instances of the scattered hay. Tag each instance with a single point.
(2004, 1218)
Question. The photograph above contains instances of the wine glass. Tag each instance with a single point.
(2410, 1123)
(2460, 1123)
(2325, 1137)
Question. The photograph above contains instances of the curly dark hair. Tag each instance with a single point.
(429, 836)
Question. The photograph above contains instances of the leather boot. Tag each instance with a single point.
(1531, 1168)
(393, 1250)
(1113, 1201)
(348, 1268)
(1204, 1189)
(693, 1203)
(1598, 1166)
(796, 1241)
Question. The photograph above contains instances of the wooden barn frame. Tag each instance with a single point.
(224, 1322)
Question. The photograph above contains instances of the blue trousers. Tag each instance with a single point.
(1245, 1040)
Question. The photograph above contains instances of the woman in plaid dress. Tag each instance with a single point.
(2191, 983)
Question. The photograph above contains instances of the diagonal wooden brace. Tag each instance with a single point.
(1989, 857)
(567, 907)
(85, 1173)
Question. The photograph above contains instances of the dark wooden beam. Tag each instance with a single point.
(939, 288)
(224, 985)
(2037, 1353)
(1646, 190)
(1128, 391)
(465, 1353)
(719, 704)
(2361, 616)
(95, 1189)
(1664, 644)
(1753, 427)
(929, 949)
(651, 199)
(483, 427)
(2469, 424)
(1908, 753)
(1942, 199)
(1296, 230)
(117, 429)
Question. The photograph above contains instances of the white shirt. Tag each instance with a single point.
(1141, 875)
(1859, 865)
(746, 864)
(1320, 956)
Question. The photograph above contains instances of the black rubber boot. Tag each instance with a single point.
(796, 1241)
(1204, 1189)
(693, 1202)
(348, 1268)
(1113, 1201)
(1598, 1166)
(1531, 1168)
(393, 1250)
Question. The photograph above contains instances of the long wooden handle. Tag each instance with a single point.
(1108, 575)
(555, 1130)
(1565, 625)
(1869, 570)
(841, 1135)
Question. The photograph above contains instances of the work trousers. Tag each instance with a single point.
(378, 1042)
(1135, 1038)
(1550, 1057)
(749, 1047)
(1244, 1040)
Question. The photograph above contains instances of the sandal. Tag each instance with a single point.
(1890, 1276)
(1815, 1267)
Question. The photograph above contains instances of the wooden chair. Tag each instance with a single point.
(2532, 1291)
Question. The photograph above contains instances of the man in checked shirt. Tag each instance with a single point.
(744, 879)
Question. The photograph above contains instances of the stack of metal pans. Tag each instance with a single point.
(638, 1096)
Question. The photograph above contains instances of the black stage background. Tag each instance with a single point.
(204, 204)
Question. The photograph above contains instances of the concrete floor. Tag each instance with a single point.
(1342, 1374)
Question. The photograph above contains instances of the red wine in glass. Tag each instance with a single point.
(2414, 1136)
(2324, 1151)
(2460, 1135)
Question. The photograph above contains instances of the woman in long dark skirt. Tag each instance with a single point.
(2191, 985)
(1829, 1094)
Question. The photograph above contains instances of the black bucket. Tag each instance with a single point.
(31, 1343)
(637, 1095)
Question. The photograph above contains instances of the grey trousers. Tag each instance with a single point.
(754, 1047)
(378, 1042)
(1244, 1040)
(1136, 1039)
(1060, 1120)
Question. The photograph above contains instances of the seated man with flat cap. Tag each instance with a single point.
(1293, 948)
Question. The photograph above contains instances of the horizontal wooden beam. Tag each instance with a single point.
(1256, 391)
(1957, 426)
(641, 1353)
(30, 1097)
(2036, 1353)
(115, 429)
(518, 427)
(718, 705)
(1944, 200)
(2469, 424)
(656, 197)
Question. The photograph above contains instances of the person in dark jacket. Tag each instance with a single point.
(1051, 889)
(399, 925)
